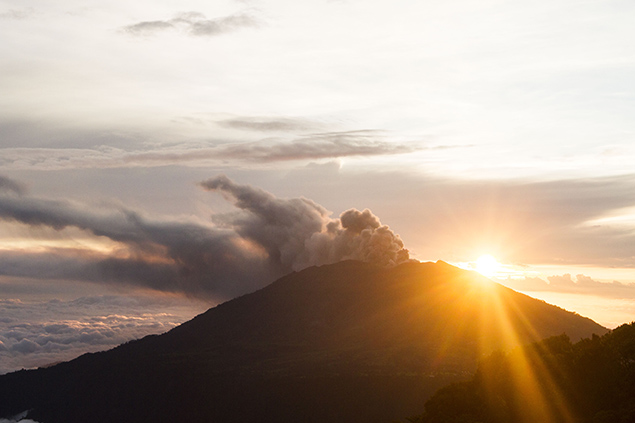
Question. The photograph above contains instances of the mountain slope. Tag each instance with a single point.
(590, 381)
(348, 341)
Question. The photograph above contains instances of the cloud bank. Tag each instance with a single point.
(236, 253)
(40, 333)
(19, 418)
(566, 283)
(9, 185)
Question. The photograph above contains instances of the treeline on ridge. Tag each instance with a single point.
(552, 381)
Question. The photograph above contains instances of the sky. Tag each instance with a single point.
(160, 157)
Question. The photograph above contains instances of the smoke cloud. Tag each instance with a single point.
(236, 253)
(298, 232)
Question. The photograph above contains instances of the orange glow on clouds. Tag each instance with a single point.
(95, 247)
(98, 245)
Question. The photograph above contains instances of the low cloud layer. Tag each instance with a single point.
(194, 23)
(578, 284)
(9, 185)
(18, 419)
(266, 238)
(39, 333)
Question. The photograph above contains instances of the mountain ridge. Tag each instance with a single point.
(384, 337)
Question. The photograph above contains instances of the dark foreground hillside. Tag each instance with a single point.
(554, 381)
(344, 342)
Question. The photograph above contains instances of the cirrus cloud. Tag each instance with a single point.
(360, 143)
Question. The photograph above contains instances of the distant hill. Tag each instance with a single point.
(344, 342)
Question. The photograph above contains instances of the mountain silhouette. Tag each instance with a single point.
(349, 341)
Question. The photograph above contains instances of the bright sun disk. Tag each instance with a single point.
(487, 265)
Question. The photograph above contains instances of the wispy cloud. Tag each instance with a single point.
(319, 146)
(148, 27)
(17, 14)
(196, 24)
(271, 124)
(310, 147)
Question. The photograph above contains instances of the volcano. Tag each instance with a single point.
(349, 341)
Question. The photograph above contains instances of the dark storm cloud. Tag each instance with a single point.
(268, 238)
(195, 24)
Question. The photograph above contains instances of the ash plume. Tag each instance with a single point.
(236, 253)
(298, 232)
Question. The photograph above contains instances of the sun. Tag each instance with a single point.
(487, 265)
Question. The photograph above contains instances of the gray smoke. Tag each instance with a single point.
(267, 238)
(298, 232)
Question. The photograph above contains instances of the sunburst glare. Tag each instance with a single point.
(487, 265)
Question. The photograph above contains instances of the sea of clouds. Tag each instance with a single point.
(19, 418)
(39, 333)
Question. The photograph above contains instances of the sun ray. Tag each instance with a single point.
(540, 398)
